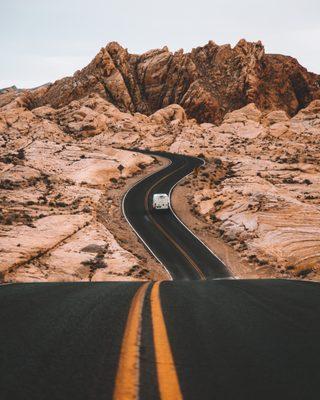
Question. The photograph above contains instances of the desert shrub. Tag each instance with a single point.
(304, 272)
(98, 261)
(230, 173)
(213, 218)
(10, 218)
(21, 154)
(120, 167)
(7, 159)
(141, 166)
(8, 185)
(95, 263)
(218, 203)
(47, 182)
(289, 180)
(42, 200)
(133, 269)
(217, 162)
(61, 204)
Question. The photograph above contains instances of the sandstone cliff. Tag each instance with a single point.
(208, 82)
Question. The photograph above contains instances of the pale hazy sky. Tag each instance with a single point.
(41, 41)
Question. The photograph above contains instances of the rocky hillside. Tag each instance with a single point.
(60, 195)
(208, 82)
(259, 191)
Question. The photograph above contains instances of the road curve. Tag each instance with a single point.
(179, 250)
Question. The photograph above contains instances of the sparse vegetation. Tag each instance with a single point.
(98, 261)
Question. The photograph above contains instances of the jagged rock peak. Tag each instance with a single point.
(208, 82)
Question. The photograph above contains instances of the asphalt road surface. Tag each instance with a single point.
(185, 257)
(191, 338)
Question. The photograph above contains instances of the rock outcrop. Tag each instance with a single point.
(51, 186)
(259, 191)
(208, 82)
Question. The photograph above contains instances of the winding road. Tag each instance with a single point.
(200, 336)
(180, 251)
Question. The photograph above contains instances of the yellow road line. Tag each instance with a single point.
(186, 255)
(169, 386)
(127, 379)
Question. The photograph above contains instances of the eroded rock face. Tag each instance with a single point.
(208, 82)
(51, 184)
(85, 250)
(260, 188)
(49, 210)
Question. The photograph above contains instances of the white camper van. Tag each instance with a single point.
(160, 201)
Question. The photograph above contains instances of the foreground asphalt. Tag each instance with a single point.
(219, 339)
(196, 337)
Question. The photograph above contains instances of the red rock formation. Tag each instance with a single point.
(208, 82)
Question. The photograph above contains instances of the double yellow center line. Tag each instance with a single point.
(128, 374)
(127, 379)
(169, 387)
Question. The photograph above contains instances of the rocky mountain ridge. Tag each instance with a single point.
(208, 82)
